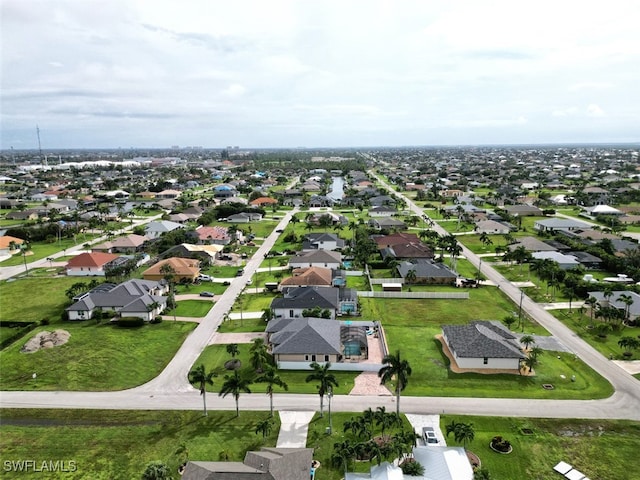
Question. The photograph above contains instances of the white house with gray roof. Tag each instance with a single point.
(134, 298)
(556, 224)
(483, 344)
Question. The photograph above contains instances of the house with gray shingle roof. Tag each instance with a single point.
(298, 299)
(266, 464)
(483, 344)
(304, 340)
(428, 272)
(134, 298)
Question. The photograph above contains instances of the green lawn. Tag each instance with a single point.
(96, 357)
(246, 325)
(214, 287)
(32, 299)
(411, 326)
(192, 308)
(117, 445)
(253, 302)
(221, 271)
(42, 250)
(215, 356)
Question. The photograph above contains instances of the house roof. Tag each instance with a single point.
(558, 257)
(181, 266)
(395, 238)
(267, 464)
(162, 226)
(129, 241)
(91, 259)
(532, 244)
(317, 256)
(481, 339)
(426, 270)
(264, 201)
(130, 296)
(214, 233)
(308, 297)
(307, 335)
(5, 240)
(408, 250)
(318, 276)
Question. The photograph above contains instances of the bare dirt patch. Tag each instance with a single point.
(46, 339)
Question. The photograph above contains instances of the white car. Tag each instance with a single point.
(429, 435)
(205, 278)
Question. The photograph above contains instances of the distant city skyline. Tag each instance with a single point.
(314, 74)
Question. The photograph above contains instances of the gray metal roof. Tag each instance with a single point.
(306, 336)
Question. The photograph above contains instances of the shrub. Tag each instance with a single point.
(130, 322)
(414, 469)
(500, 444)
(44, 321)
(158, 319)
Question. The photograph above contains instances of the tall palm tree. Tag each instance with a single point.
(527, 341)
(233, 350)
(628, 301)
(271, 378)
(235, 385)
(203, 378)
(264, 427)
(395, 367)
(410, 277)
(342, 454)
(592, 302)
(326, 380)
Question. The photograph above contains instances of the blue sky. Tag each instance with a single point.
(131, 73)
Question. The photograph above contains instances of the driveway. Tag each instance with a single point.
(418, 422)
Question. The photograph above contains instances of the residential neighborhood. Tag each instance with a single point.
(202, 281)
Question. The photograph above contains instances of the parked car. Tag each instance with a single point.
(205, 278)
(429, 435)
(240, 272)
(207, 294)
(249, 282)
(279, 230)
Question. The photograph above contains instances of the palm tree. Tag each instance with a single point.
(326, 380)
(259, 354)
(233, 350)
(156, 470)
(410, 276)
(235, 385)
(628, 301)
(264, 427)
(199, 376)
(386, 420)
(462, 432)
(628, 344)
(343, 452)
(396, 368)
(271, 378)
(527, 341)
(592, 302)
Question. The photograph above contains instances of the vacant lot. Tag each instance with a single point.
(32, 299)
(96, 357)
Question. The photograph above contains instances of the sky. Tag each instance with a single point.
(348, 73)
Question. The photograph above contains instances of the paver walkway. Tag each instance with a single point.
(294, 427)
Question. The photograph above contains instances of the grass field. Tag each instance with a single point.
(32, 299)
(42, 250)
(96, 357)
(411, 326)
(117, 445)
(192, 308)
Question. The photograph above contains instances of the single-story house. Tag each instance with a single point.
(10, 245)
(134, 298)
(523, 210)
(308, 277)
(244, 217)
(565, 262)
(267, 464)
(126, 244)
(394, 239)
(211, 235)
(615, 301)
(296, 300)
(263, 201)
(322, 241)
(92, 264)
(387, 223)
(184, 269)
(317, 258)
(382, 211)
(205, 253)
(483, 344)
(153, 230)
(313, 339)
(559, 224)
(532, 244)
(491, 227)
(428, 272)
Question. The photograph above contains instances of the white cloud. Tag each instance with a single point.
(373, 70)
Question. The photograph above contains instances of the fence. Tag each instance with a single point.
(380, 281)
(432, 295)
(339, 367)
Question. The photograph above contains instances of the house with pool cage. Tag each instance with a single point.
(348, 345)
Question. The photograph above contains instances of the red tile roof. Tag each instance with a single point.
(93, 259)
